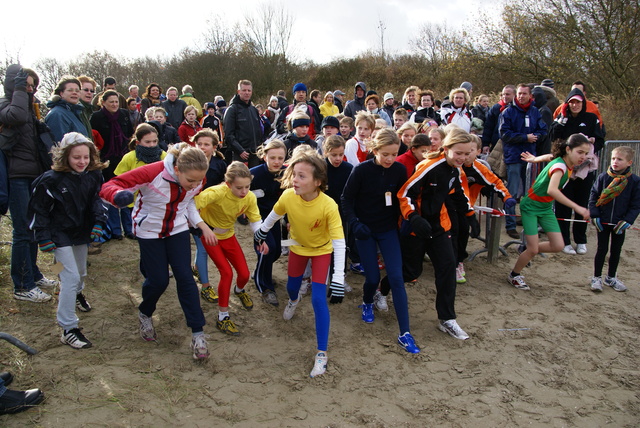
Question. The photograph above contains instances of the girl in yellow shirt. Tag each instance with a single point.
(316, 230)
(219, 207)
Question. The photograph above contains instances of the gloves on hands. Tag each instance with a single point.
(96, 232)
(20, 81)
(46, 246)
(597, 223)
(474, 224)
(360, 230)
(336, 292)
(123, 198)
(420, 225)
(621, 227)
(259, 236)
(509, 203)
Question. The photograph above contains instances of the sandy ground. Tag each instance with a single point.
(576, 364)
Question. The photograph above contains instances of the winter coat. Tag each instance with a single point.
(163, 207)
(383, 115)
(146, 103)
(187, 131)
(514, 126)
(423, 114)
(460, 116)
(356, 104)
(100, 123)
(584, 122)
(175, 112)
(625, 206)
(190, 100)
(329, 109)
(64, 206)
(64, 117)
(242, 128)
(16, 111)
(543, 145)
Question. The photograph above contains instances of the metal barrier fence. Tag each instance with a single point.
(605, 154)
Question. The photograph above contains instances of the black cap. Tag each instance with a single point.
(330, 121)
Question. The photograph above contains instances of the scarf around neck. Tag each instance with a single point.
(614, 188)
(148, 154)
(117, 139)
(524, 107)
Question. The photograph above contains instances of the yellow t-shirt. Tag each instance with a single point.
(130, 162)
(220, 208)
(314, 224)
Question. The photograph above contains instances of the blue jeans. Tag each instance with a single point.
(516, 177)
(117, 215)
(201, 261)
(389, 244)
(24, 271)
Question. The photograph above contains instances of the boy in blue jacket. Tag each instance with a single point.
(614, 205)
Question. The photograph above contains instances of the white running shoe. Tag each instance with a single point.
(614, 283)
(34, 295)
(290, 309)
(75, 339)
(45, 282)
(596, 283)
(380, 301)
(147, 331)
(581, 248)
(200, 347)
(568, 249)
(460, 279)
(452, 327)
(320, 364)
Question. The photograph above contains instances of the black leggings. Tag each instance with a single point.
(614, 256)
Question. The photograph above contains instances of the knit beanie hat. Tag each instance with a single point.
(299, 87)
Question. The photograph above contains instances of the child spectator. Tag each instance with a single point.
(66, 214)
(190, 125)
(167, 134)
(436, 135)
(537, 206)
(406, 133)
(370, 205)
(346, 126)
(266, 186)
(164, 210)
(220, 206)
(211, 120)
(356, 148)
(419, 147)
(400, 117)
(305, 203)
(144, 149)
(299, 126)
(207, 141)
(330, 126)
(614, 206)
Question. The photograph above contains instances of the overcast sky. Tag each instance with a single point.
(323, 30)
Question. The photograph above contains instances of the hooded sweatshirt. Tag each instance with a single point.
(584, 122)
(64, 117)
(356, 104)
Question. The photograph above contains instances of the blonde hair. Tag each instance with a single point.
(332, 142)
(148, 114)
(188, 158)
(60, 153)
(305, 154)
(476, 140)
(297, 114)
(455, 135)
(401, 112)
(364, 116)
(625, 151)
(406, 127)
(207, 132)
(235, 170)
(384, 137)
(459, 90)
(273, 144)
(189, 108)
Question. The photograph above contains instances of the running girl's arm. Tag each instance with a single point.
(131, 181)
(207, 234)
(261, 233)
(528, 157)
(351, 152)
(555, 192)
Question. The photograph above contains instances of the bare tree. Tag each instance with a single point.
(438, 44)
(267, 31)
(50, 70)
(219, 38)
